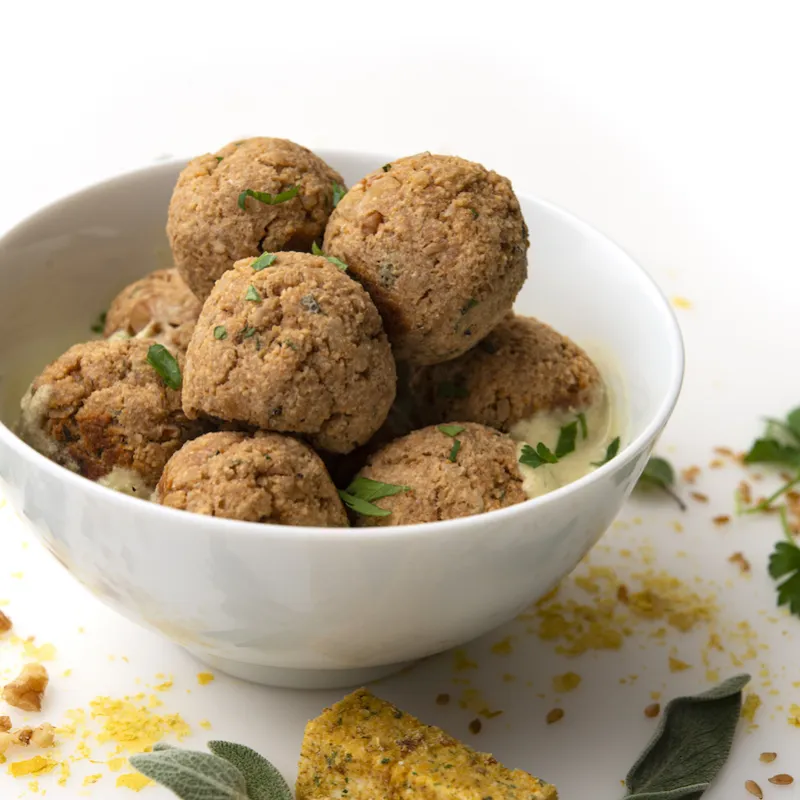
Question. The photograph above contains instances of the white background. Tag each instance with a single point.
(673, 127)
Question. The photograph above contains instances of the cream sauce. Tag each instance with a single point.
(127, 481)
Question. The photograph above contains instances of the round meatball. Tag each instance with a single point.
(211, 223)
(441, 246)
(104, 412)
(451, 471)
(521, 368)
(295, 346)
(160, 306)
(264, 477)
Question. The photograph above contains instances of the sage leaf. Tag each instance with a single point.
(264, 782)
(691, 745)
(192, 775)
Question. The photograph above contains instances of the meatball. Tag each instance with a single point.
(264, 477)
(522, 367)
(160, 306)
(104, 412)
(295, 346)
(211, 223)
(453, 470)
(441, 246)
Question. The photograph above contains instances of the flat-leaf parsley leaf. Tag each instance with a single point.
(659, 473)
(360, 495)
(165, 364)
(535, 457)
(267, 198)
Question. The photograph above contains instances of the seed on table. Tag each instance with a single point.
(653, 710)
(782, 780)
(475, 726)
(766, 758)
(554, 715)
(754, 789)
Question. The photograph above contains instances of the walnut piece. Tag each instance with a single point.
(43, 735)
(5, 623)
(5, 724)
(27, 689)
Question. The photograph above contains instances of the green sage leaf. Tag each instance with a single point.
(691, 745)
(264, 782)
(192, 775)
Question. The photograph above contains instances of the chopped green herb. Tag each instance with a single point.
(535, 457)
(385, 760)
(454, 450)
(386, 167)
(339, 192)
(584, 426)
(252, 294)
(362, 492)
(447, 389)
(450, 430)
(475, 214)
(220, 332)
(267, 198)
(219, 158)
(310, 304)
(659, 473)
(290, 344)
(469, 305)
(165, 364)
(100, 324)
(248, 332)
(263, 261)
(611, 452)
(785, 560)
(566, 439)
(317, 251)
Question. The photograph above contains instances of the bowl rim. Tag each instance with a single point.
(365, 534)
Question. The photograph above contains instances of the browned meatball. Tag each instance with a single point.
(462, 470)
(210, 225)
(160, 306)
(522, 367)
(102, 410)
(296, 346)
(264, 477)
(440, 245)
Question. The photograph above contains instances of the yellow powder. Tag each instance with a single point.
(163, 687)
(462, 662)
(65, 770)
(794, 715)
(116, 764)
(17, 575)
(676, 665)
(204, 723)
(503, 647)
(751, 704)
(681, 302)
(34, 786)
(66, 673)
(566, 682)
(135, 728)
(133, 780)
(204, 678)
(90, 779)
(38, 765)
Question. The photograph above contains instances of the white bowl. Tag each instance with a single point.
(315, 607)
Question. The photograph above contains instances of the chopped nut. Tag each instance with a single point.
(716, 463)
(475, 726)
(653, 710)
(23, 736)
(754, 789)
(722, 519)
(442, 699)
(5, 623)
(725, 451)
(767, 758)
(27, 689)
(782, 780)
(5, 723)
(622, 593)
(690, 474)
(554, 715)
(741, 561)
(699, 496)
(44, 735)
(745, 493)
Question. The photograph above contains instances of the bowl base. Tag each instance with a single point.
(288, 678)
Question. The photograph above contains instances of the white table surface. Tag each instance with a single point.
(672, 127)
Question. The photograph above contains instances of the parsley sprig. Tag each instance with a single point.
(361, 494)
(317, 251)
(267, 198)
(659, 474)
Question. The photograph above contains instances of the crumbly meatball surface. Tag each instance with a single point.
(441, 246)
(264, 477)
(207, 228)
(481, 475)
(521, 368)
(102, 408)
(160, 306)
(296, 347)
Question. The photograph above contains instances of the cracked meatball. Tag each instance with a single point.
(264, 477)
(211, 225)
(160, 306)
(521, 368)
(102, 411)
(441, 246)
(452, 471)
(293, 346)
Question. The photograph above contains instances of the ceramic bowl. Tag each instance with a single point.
(316, 607)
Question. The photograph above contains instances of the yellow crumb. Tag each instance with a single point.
(655, 695)
(116, 764)
(677, 527)
(47, 652)
(135, 727)
(17, 575)
(38, 765)
(566, 682)
(204, 723)
(163, 687)
(81, 629)
(66, 673)
(676, 665)
(462, 662)
(751, 704)
(794, 715)
(133, 780)
(90, 779)
(508, 677)
(503, 647)
(65, 770)
(681, 302)
(204, 678)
